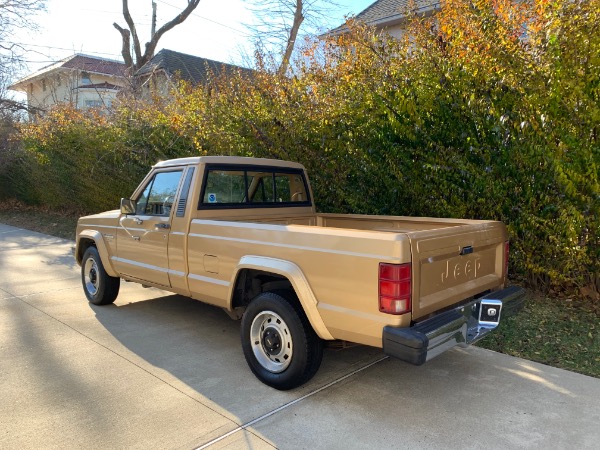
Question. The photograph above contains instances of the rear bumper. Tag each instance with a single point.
(461, 326)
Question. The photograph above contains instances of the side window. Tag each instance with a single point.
(282, 185)
(255, 186)
(290, 188)
(223, 186)
(260, 187)
(159, 194)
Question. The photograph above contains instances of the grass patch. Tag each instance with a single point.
(43, 220)
(550, 331)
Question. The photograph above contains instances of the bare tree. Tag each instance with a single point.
(279, 21)
(137, 59)
(14, 14)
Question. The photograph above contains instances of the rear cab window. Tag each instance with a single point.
(253, 186)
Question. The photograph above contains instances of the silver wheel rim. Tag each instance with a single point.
(271, 341)
(91, 276)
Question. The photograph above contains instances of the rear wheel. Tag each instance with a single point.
(279, 344)
(99, 287)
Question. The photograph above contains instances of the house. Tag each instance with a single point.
(88, 81)
(160, 73)
(82, 80)
(390, 15)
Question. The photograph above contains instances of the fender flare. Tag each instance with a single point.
(299, 282)
(96, 236)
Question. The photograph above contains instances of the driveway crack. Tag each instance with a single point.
(288, 404)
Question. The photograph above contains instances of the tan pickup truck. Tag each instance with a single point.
(243, 234)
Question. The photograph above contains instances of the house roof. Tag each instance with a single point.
(194, 69)
(389, 12)
(76, 62)
(96, 65)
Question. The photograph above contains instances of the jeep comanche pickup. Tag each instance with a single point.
(243, 234)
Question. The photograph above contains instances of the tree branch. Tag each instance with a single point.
(131, 25)
(151, 46)
(291, 41)
(135, 60)
(125, 50)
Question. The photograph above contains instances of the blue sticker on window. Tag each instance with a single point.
(212, 198)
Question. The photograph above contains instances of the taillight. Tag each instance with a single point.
(395, 288)
(506, 251)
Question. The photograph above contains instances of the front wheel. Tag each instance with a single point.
(279, 344)
(99, 287)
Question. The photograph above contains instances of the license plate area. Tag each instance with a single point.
(489, 312)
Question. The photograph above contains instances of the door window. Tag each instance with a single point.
(158, 196)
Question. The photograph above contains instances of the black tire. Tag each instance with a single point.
(99, 287)
(279, 344)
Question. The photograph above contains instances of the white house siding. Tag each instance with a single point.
(68, 87)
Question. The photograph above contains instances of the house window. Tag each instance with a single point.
(44, 85)
(93, 103)
(85, 78)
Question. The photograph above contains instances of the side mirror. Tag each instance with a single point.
(128, 206)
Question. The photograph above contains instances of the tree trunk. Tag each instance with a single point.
(291, 41)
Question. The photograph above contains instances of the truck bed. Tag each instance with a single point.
(452, 259)
(392, 224)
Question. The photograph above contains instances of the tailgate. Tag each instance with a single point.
(453, 264)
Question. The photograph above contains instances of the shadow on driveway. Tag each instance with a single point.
(390, 402)
(200, 346)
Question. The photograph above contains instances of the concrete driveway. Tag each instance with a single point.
(156, 370)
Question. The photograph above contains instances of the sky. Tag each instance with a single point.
(215, 30)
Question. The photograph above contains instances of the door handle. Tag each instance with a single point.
(162, 226)
(138, 221)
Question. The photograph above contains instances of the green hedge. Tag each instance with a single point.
(469, 116)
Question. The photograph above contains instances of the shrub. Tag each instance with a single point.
(488, 111)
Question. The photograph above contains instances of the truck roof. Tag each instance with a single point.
(234, 160)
